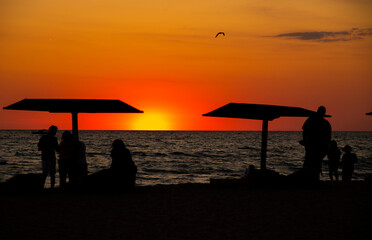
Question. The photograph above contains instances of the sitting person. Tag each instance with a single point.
(250, 172)
(122, 168)
(120, 176)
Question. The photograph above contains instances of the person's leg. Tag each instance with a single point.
(44, 178)
(311, 163)
(317, 158)
(71, 176)
(62, 179)
(52, 180)
(346, 176)
(330, 170)
(336, 174)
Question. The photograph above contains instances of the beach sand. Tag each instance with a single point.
(193, 211)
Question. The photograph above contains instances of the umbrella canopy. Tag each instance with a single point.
(73, 106)
(259, 112)
(370, 113)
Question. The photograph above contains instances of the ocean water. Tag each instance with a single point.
(172, 157)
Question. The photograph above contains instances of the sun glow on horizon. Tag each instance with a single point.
(152, 121)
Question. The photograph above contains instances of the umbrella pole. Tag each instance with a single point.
(75, 124)
(265, 124)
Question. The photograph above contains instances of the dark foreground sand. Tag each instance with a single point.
(193, 211)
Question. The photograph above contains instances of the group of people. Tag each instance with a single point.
(317, 142)
(347, 162)
(72, 162)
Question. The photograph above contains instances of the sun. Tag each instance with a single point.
(152, 121)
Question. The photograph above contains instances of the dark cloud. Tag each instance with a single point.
(353, 34)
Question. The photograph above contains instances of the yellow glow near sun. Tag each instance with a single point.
(152, 121)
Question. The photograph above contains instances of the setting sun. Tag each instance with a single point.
(152, 121)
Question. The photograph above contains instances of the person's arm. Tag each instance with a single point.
(304, 134)
(39, 145)
(338, 154)
(329, 132)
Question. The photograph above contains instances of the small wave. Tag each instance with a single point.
(249, 148)
(278, 151)
(286, 163)
(141, 177)
(214, 155)
(160, 155)
(225, 170)
(182, 154)
(95, 153)
(166, 171)
(139, 154)
(139, 146)
(19, 154)
(202, 172)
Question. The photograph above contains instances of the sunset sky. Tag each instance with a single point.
(162, 57)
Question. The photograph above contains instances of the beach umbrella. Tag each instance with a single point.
(262, 112)
(370, 113)
(73, 106)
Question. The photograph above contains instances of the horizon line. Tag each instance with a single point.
(170, 130)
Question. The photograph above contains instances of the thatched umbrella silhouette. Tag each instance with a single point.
(262, 112)
(73, 106)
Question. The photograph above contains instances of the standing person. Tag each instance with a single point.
(48, 146)
(82, 166)
(348, 161)
(67, 158)
(123, 169)
(334, 155)
(316, 138)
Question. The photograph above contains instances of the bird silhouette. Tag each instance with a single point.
(219, 34)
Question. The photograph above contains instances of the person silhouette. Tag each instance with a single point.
(68, 158)
(348, 161)
(48, 146)
(334, 155)
(82, 166)
(122, 168)
(316, 139)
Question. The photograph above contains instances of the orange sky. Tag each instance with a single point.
(162, 57)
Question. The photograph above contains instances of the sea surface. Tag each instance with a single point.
(172, 157)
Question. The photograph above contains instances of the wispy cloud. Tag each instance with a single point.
(353, 34)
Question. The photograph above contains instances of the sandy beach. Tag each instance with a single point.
(193, 211)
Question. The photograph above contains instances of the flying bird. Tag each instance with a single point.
(220, 33)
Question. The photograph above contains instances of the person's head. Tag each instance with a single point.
(347, 149)
(52, 130)
(66, 136)
(118, 144)
(321, 110)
